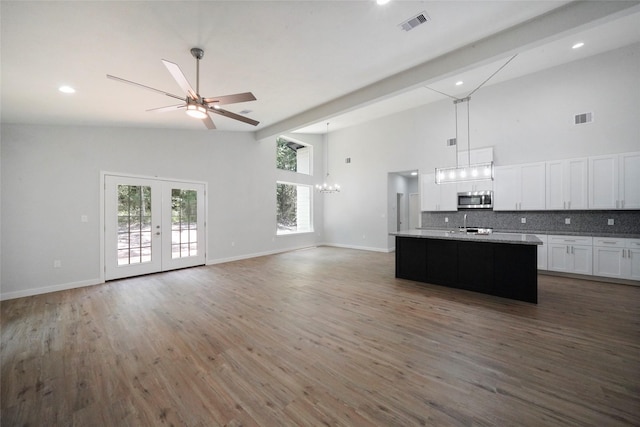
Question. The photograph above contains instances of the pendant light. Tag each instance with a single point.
(468, 172)
(327, 187)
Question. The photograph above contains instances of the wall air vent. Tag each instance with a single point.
(414, 21)
(583, 118)
(451, 142)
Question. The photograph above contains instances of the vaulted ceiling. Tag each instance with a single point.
(305, 61)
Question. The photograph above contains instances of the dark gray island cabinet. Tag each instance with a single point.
(499, 264)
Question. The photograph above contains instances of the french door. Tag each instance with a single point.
(152, 225)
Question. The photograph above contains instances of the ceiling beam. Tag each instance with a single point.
(573, 17)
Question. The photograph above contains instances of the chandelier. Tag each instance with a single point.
(326, 186)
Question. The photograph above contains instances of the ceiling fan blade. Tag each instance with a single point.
(234, 116)
(118, 79)
(208, 122)
(169, 108)
(179, 77)
(230, 99)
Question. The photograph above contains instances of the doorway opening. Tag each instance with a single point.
(403, 202)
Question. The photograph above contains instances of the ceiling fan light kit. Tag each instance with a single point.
(195, 105)
(196, 111)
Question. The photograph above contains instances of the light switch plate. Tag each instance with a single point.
(610, 221)
(567, 220)
(446, 219)
(523, 220)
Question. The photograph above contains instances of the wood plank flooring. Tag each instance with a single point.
(323, 336)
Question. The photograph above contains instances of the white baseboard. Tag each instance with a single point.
(47, 289)
(65, 286)
(360, 248)
(256, 254)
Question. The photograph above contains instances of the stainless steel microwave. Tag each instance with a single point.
(475, 200)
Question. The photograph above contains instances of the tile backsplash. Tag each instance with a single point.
(544, 222)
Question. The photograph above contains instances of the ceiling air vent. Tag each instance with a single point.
(583, 118)
(451, 141)
(413, 22)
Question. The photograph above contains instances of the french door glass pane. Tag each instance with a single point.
(134, 224)
(184, 226)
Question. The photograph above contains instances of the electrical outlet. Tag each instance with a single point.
(57, 263)
(567, 221)
(610, 221)
(523, 220)
(84, 218)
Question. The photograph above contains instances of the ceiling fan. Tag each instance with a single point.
(195, 105)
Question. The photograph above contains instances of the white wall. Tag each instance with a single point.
(51, 176)
(526, 120)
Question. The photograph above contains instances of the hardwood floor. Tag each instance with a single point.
(323, 336)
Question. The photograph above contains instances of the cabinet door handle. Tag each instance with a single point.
(572, 250)
(567, 249)
(622, 204)
(569, 204)
(623, 253)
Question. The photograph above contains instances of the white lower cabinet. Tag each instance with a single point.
(570, 254)
(542, 252)
(619, 258)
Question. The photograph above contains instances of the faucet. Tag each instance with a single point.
(464, 227)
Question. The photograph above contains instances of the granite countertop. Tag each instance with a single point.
(555, 233)
(521, 239)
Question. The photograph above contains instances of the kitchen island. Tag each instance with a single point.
(501, 264)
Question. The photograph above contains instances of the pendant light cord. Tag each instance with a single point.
(468, 133)
(326, 152)
(455, 104)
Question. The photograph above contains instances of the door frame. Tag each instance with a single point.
(103, 184)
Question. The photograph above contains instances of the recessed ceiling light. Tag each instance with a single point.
(66, 89)
(382, 1)
(458, 83)
(577, 45)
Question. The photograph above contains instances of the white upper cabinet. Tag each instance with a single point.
(629, 184)
(520, 187)
(437, 197)
(614, 181)
(567, 184)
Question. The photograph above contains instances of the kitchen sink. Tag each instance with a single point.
(475, 230)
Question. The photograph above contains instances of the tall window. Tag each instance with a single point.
(293, 156)
(293, 196)
(294, 208)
